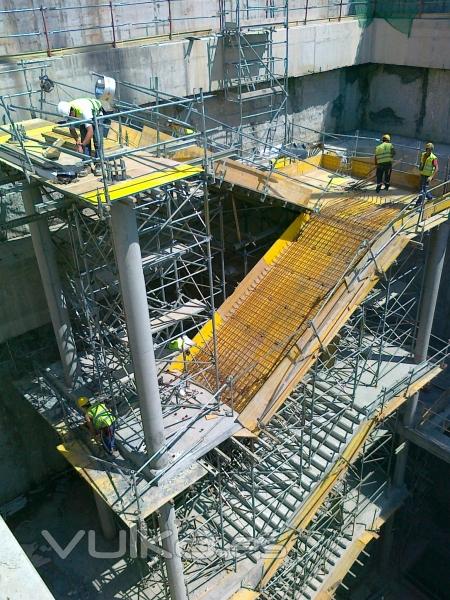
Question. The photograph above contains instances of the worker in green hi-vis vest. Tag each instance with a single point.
(178, 130)
(89, 139)
(384, 155)
(428, 168)
(100, 421)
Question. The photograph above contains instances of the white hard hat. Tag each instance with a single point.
(187, 342)
(64, 108)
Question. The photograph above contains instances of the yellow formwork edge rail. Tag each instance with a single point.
(245, 595)
(286, 238)
(140, 184)
(199, 340)
(31, 133)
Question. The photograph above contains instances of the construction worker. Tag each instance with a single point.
(178, 130)
(384, 155)
(84, 108)
(100, 421)
(428, 168)
(181, 344)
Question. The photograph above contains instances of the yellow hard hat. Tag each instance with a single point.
(386, 137)
(429, 146)
(82, 401)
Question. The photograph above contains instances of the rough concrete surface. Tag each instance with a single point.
(19, 579)
(65, 509)
(408, 101)
(22, 301)
(27, 445)
(68, 28)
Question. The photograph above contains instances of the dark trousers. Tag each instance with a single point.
(424, 191)
(97, 138)
(384, 175)
(108, 437)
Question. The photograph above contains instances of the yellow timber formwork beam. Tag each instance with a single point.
(340, 570)
(33, 127)
(245, 595)
(140, 184)
(356, 548)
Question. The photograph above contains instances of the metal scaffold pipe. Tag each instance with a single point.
(174, 565)
(431, 283)
(134, 296)
(48, 269)
(432, 279)
(434, 267)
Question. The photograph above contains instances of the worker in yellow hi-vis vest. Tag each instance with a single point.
(384, 155)
(178, 130)
(100, 421)
(428, 168)
(89, 139)
(183, 345)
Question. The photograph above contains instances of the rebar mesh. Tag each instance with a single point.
(270, 315)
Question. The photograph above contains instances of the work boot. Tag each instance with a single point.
(386, 186)
(378, 190)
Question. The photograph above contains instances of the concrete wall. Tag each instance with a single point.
(408, 101)
(183, 66)
(28, 452)
(428, 45)
(74, 24)
(324, 102)
(22, 302)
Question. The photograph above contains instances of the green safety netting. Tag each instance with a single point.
(399, 13)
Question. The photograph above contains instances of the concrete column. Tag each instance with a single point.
(174, 565)
(48, 269)
(106, 518)
(134, 297)
(431, 282)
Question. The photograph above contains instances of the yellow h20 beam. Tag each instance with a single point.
(140, 184)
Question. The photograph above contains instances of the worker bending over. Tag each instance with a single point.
(178, 130)
(84, 109)
(100, 421)
(428, 168)
(384, 155)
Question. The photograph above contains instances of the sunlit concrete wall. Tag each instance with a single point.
(78, 23)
